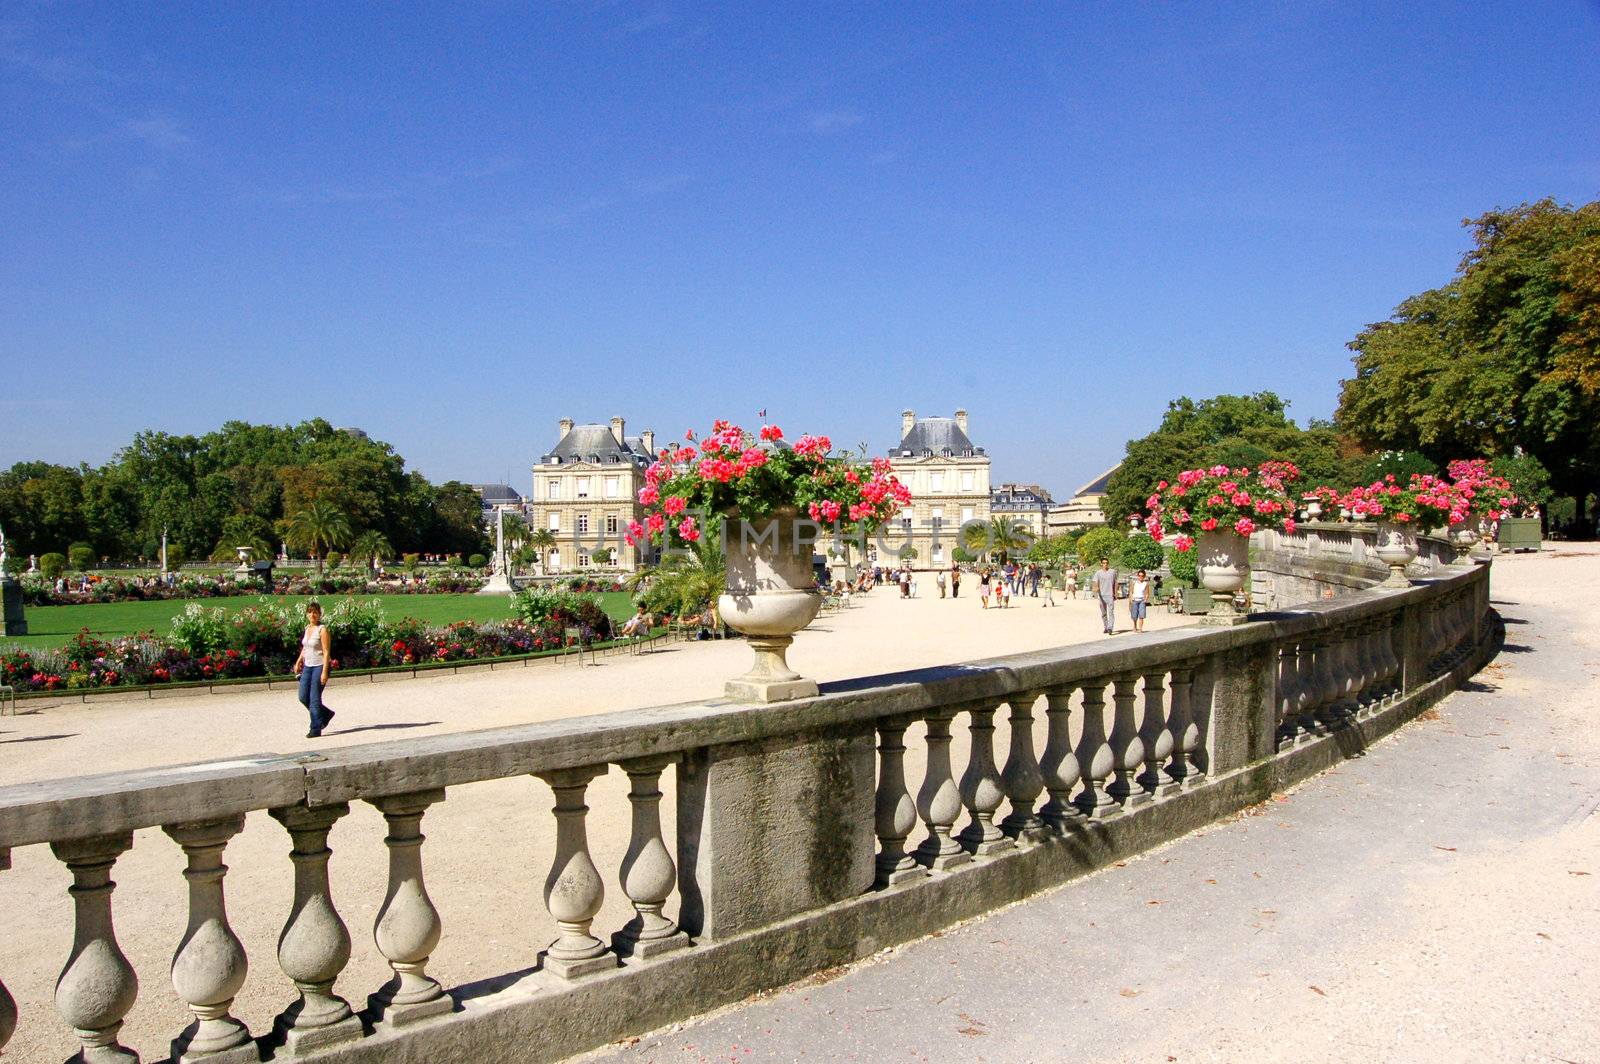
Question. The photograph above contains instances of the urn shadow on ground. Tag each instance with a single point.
(39, 738)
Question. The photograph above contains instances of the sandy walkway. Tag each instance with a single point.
(489, 845)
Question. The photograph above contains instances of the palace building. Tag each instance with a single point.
(949, 481)
(586, 490)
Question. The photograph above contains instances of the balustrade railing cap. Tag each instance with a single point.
(84, 806)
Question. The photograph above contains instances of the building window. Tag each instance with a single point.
(966, 514)
(936, 480)
(583, 559)
(613, 487)
(611, 524)
(583, 487)
(967, 480)
(583, 524)
(938, 553)
(554, 490)
(555, 520)
(554, 559)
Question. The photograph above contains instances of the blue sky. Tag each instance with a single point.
(454, 224)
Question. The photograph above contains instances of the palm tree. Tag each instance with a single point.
(319, 528)
(541, 540)
(686, 582)
(374, 546)
(998, 538)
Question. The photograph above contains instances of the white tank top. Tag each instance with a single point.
(311, 645)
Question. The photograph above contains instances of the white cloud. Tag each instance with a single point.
(833, 121)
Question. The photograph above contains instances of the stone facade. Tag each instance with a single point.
(949, 481)
(586, 490)
(1027, 505)
(1082, 511)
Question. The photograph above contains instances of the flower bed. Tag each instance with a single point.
(210, 644)
(37, 591)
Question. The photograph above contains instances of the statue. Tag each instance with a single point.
(2, 552)
(33, 563)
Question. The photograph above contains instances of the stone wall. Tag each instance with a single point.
(799, 842)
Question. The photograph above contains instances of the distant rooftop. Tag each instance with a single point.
(937, 436)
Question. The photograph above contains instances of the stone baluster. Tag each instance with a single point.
(1126, 744)
(1022, 778)
(1329, 689)
(1390, 657)
(1360, 656)
(1288, 691)
(210, 964)
(939, 800)
(1095, 758)
(408, 926)
(1308, 695)
(1371, 666)
(1059, 768)
(1155, 732)
(1186, 768)
(8, 1004)
(98, 986)
(648, 873)
(1349, 677)
(894, 811)
(981, 790)
(573, 891)
(314, 945)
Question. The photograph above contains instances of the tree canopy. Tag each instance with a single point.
(1235, 430)
(240, 485)
(1503, 358)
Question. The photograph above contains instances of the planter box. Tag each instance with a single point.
(1519, 533)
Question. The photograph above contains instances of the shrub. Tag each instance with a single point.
(409, 562)
(1182, 563)
(1141, 552)
(1099, 543)
(601, 556)
(356, 630)
(200, 629)
(477, 561)
(52, 565)
(81, 556)
(554, 607)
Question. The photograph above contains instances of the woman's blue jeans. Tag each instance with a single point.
(311, 693)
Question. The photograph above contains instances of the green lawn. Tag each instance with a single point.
(52, 626)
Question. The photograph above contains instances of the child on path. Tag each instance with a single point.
(1049, 583)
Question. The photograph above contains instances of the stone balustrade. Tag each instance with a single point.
(800, 843)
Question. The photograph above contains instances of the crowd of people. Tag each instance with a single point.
(999, 583)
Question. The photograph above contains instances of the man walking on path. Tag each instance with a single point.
(1104, 585)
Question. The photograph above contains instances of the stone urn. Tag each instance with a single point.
(1463, 537)
(771, 595)
(1396, 548)
(1222, 561)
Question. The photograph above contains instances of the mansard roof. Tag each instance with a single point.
(936, 435)
(596, 443)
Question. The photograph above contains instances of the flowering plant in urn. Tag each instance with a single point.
(1485, 493)
(774, 500)
(1214, 511)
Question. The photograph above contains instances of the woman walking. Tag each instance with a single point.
(316, 657)
(1138, 599)
(983, 588)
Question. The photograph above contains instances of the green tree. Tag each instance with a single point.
(1233, 430)
(686, 582)
(81, 556)
(320, 529)
(542, 540)
(52, 564)
(1054, 550)
(1098, 543)
(1140, 552)
(1503, 356)
(372, 547)
(998, 538)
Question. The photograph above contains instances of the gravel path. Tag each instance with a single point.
(1435, 900)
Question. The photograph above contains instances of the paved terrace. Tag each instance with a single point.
(475, 840)
(1437, 899)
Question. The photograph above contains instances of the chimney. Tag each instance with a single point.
(566, 427)
(908, 420)
(616, 430)
(648, 438)
(961, 420)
